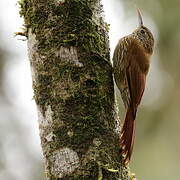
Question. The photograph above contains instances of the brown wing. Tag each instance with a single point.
(132, 77)
(136, 74)
(130, 69)
(136, 83)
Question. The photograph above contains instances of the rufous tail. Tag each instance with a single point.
(128, 135)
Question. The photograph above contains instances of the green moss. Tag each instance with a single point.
(80, 97)
(79, 29)
(23, 7)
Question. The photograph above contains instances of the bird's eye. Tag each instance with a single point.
(142, 31)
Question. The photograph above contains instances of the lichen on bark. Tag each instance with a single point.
(73, 89)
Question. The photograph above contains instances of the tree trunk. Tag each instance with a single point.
(73, 88)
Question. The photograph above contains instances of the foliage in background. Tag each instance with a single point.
(157, 144)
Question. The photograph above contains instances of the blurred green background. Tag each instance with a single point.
(157, 147)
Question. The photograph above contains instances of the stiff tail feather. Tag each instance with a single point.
(128, 135)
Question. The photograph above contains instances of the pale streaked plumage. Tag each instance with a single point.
(131, 64)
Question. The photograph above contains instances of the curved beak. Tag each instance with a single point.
(140, 18)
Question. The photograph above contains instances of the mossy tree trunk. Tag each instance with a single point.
(73, 89)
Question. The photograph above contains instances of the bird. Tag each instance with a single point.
(131, 62)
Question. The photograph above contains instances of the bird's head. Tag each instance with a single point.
(144, 35)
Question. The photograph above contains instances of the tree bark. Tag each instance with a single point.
(73, 88)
